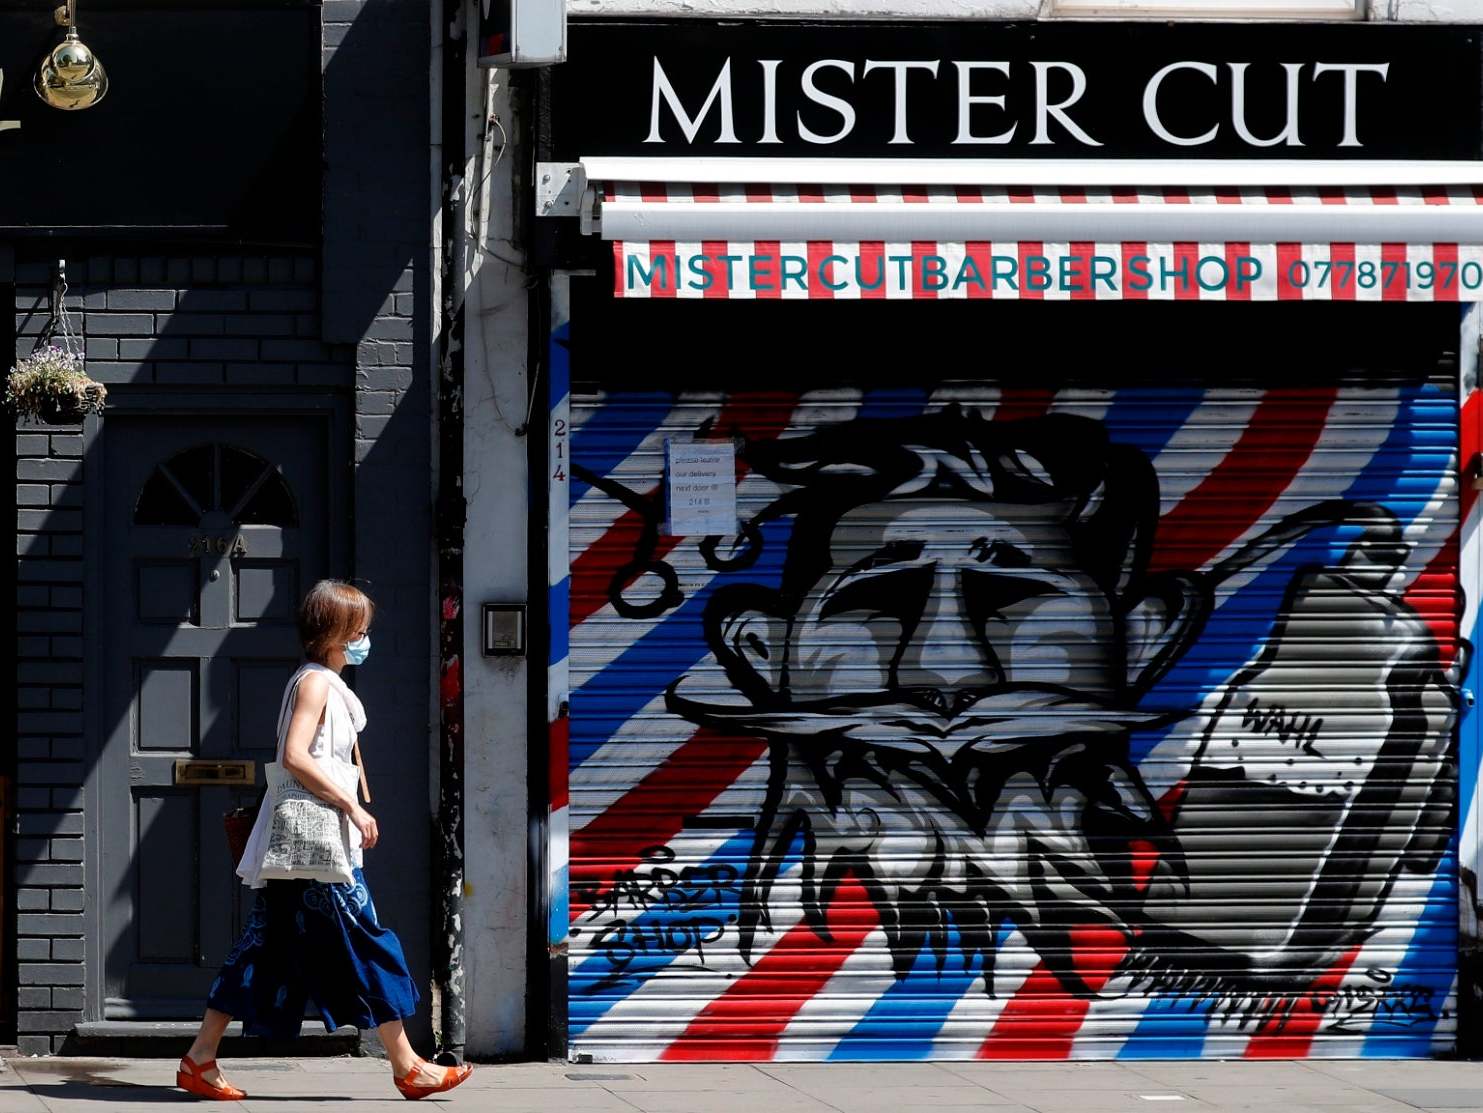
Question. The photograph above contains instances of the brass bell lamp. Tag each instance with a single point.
(70, 76)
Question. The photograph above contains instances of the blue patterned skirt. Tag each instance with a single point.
(306, 940)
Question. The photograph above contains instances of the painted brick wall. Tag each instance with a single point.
(49, 744)
(202, 321)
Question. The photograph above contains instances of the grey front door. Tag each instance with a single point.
(214, 529)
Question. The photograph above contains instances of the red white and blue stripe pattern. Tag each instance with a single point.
(660, 808)
(558, 604)
(990, 268)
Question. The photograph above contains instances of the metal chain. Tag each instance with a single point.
(70, 341)
(60, 322)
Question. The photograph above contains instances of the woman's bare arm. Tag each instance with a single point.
(309, 703)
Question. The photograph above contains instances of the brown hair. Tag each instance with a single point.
(332, 614)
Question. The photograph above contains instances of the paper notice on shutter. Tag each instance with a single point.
(702, 487)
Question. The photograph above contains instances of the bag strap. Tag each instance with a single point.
(365, 786)
(285, 711)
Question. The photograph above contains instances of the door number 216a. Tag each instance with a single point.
(204, 545)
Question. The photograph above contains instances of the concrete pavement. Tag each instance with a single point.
(59, 1085)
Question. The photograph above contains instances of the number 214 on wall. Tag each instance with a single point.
(558, 449)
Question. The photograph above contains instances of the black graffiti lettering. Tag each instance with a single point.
(1387, 1005)
(622, 942)
(679, 909)
(654, 884)
(1290, 728)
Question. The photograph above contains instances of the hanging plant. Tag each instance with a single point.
(50, 385)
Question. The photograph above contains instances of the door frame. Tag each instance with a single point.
(141, 405)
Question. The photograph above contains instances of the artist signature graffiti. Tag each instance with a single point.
(1387, 1004)
(659, 910)
(1290, 728)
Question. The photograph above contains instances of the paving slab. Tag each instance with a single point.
(986, 1103)
(721, 1101)
(906, 1098)
(657, 1078)
(1422, 1072)
(1437, 1097)
(1333, 1094)
(991, 1107)
(1070, 1076)
(548, 1074)
(934, 1074)
(1114, 1101)
(903, 1079)
(1237, 1072)
(523, 1099)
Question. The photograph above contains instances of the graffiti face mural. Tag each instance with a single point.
(998, 717)
(951, 663)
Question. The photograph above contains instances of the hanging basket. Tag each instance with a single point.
(50, 386)
(61, 411)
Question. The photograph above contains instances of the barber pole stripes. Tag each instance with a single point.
(558, 580)
(669, 1013)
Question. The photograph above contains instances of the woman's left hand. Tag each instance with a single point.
(365, 823)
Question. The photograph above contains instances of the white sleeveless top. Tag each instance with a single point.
(333, 743)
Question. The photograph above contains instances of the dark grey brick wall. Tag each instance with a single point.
(49, 740)
(232, 321)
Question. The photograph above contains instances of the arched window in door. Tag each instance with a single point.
(213, 480)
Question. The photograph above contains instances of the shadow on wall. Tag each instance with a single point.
(378, 197)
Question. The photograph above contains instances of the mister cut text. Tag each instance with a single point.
(1006, 90)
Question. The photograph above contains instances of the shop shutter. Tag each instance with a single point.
(953, 753)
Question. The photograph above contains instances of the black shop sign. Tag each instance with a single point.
(1020, 90)
(211, 125)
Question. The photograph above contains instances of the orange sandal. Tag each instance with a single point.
(188, 1078)
(452, 1076)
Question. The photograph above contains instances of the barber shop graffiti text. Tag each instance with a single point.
(658, 909)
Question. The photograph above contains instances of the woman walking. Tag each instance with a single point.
(310, 939)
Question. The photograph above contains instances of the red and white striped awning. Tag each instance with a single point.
(1053, 242)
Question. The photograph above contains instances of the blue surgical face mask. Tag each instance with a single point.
(357, 651)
